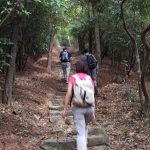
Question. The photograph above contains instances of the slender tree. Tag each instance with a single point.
(145, 64)
(7, 92)
(97, 36)
(52, 31)
(136, 51)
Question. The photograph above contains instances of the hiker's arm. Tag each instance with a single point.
(67, 98)
(70, 59)
(93, 118)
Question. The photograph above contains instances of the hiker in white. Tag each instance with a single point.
(83, 104)
(65, 58)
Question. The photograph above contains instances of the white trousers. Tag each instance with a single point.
(82, 116)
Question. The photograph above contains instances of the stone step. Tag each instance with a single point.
(101, 147)
(70, 143)
(96, 140)
(69, 112)
(59, 97)
(56, 66)
(58, 120)
(54, 113)
(95, 130)
(58, 102)
(68, 130)
(61, 93)
(58, 112)
(65, 89)
(64, 136)
(60, 108)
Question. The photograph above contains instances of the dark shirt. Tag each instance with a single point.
(69, 55)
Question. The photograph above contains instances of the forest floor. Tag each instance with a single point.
(24, 125)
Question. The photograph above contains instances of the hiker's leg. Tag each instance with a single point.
(86, 134)
(94, 76)
(63, 69)
(79, 126)
(68, 66)
(90, 73)
(89, 114)
(88, 117)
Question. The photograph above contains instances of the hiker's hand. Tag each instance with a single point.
(93, 118)
(63, 114)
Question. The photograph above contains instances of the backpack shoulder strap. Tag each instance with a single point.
(71, 97)
(76, 77)
(61, 53)
(87, 55)
(88, 77)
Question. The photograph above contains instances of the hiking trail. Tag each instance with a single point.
(63, 133)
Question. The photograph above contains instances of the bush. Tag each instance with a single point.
(63, 40)
(129, 94)
(117, 79)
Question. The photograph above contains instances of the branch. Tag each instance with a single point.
(124, 24)
(1, 24)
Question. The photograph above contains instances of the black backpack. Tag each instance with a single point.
(65, 57)
(92, 63)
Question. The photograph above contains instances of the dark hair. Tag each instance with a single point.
(65, 48)
(86, 50)
(81, 66)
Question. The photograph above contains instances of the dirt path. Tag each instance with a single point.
(64, 134)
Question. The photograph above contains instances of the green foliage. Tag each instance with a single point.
(38, 17)
(4, 42)
(117, 79)
(129, 94)
(3, 118)
(3, 64)
(78, 29)
(125, 63)
(63, 40)
(1, 88)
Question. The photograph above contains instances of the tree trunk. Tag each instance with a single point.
(145, 64)
(49, 65)
(90, 30)
(7, 93)
(97, 39)
(113, 57)
(80, 43)
(136, 52)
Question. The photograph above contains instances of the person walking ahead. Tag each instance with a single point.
(82, 114)
(65, 58)
(93, 67)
